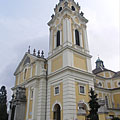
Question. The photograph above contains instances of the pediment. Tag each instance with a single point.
(27, 60)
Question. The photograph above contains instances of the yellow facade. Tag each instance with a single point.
(100, 95)
(57, 63)
(115, 84)
(21, 77)
(16, 81)
(80, 62)
(54, 98)
(107, 74)
(116, 98)
(33, 69)
(77, 20)
(30, 109)
(83, 38)
(78, 69)
(81, 118)
(102, 116)
(101, 74)
(109, 85)
(28, 73)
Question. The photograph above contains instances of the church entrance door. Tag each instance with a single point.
(56, 114)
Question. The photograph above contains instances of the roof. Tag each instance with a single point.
(117, 74)
(100, 69)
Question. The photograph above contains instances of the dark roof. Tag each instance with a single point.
(100, 69)
(117, 74)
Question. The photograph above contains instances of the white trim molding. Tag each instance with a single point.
(56, 102)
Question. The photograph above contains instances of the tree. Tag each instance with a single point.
(3, 104)
(116, 118)
(94, 106)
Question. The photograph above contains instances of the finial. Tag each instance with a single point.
(42, 54)
(52, 15)
(34, 52)
(61, 0)
(38, 53)
(82, 14)
(98, 56)
(66, 3)
(13, 96)
(29, 49)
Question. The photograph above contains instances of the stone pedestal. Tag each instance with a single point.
(20, 111)
(81, 111)
(102, 111)
(17, 105)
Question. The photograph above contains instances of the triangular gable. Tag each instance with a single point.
(27, 59)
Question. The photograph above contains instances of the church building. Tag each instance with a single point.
(57, 87)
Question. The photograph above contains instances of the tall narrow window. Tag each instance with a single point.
(77, 37)
(106, 101)
(25, 74)
(58, 39)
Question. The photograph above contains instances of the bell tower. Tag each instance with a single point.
(69, 62)
(68, 30)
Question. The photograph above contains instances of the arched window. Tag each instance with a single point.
(73, 8)
(60, 9)
(77, 38)
(25, 74)
(58, 39)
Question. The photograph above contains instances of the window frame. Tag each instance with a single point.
(77, 37)
(58, 38)
(73, 8)
(31, 93)
(84, 89)
(55, 89)
(25, 73)
(100, 83)
(60, 9)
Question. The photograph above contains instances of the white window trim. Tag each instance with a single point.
(59, 90)
(84, 89)
(80, 39)
(101, 83)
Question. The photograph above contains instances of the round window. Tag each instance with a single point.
(100, 84)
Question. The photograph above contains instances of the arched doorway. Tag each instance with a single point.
(56, 112)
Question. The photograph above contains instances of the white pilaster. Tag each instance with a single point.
(89, 66)
(48, 101)
(64, 31)
(55, 40)
(81, 39)
(69, 99)
(34, 103)
(41, 102)
(85, 39)
(28, 102)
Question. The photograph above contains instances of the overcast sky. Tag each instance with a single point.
(24, 23)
